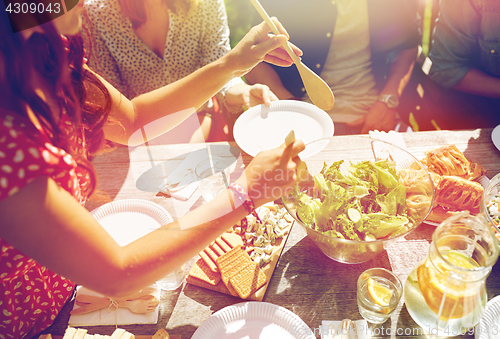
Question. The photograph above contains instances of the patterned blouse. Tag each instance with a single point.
(31, 296)
(194, 39)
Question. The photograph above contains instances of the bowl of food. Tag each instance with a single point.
(490, 205)
(358, 194)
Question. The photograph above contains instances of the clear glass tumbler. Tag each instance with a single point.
(446, 293)
(173, 280)
(378, 292)
(213, 177)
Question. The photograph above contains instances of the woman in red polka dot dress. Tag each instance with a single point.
(54, 112)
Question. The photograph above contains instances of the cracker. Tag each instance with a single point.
(201, 271)
(229, 258)
(210, 263)
(211, 253)
(224, 245)
(248, 280)
(231, 270)
(232, 239)
(217, 249)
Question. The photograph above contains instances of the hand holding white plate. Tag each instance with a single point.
(262, 128)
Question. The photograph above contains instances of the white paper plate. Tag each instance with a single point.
(128, 220)
(262, 128)
(483, 180)
(253, 320)
(489, 324)
(495, 137)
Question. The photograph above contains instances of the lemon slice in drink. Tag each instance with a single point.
(460, 260)
(380, 294)
(436, 286)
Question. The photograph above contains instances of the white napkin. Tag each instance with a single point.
(392, 137)
(120, 316)
(185, 176)
(330, 328)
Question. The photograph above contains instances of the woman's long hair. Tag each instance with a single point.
(60, 62)
(135, 10)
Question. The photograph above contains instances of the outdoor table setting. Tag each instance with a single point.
(312, 291)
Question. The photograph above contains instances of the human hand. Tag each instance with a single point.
(272, 173)
(258, 45)
(250, 95)
(379, 117)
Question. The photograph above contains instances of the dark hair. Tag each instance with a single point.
(60, 61)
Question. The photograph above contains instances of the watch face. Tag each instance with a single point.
(390, 100)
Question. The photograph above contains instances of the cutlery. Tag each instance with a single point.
(89, 299)
(144, 305)
(348, 329)
(317, 89)
(140, 306)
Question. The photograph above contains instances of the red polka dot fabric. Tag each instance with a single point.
(31, 296)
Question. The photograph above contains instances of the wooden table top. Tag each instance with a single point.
(305, 281)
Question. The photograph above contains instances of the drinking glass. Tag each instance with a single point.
(446, 293)
(213, 176)
(172, 280)
(379, 292)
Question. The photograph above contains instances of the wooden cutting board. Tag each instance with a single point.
(267, 269)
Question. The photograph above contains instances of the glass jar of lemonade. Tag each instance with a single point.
(446, 293)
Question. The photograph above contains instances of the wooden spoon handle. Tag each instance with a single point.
(273, 27)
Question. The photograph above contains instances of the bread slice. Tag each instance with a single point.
(459, 194)
(161, 334)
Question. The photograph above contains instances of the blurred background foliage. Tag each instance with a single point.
(240, 17)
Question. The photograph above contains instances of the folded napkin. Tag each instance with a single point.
(405, 255)
(182, 182)
(112, 315)
(391, 137)
(381, 151)
(331, 328)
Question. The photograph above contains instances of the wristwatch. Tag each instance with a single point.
(390, 100)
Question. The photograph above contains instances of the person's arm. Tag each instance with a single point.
(193, 90)
(265, 74)
(249, 95)
(479, 83)
(380, 117)
(455, 42)
(63, 236)
(215, 43)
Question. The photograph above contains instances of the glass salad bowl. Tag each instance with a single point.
(490, 204)
(358, 194)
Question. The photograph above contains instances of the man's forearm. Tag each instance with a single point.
(264, 73)
(479, 83)
(400, 72)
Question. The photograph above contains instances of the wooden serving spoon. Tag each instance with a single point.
(317, 89)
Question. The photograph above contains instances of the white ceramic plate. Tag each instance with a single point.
(483, 180)
(489, 324)
(253, 320)
(495, 137)
(129, 219)
(261, 128)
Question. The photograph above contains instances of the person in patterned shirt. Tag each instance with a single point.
(142, 45)
(54, 113)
